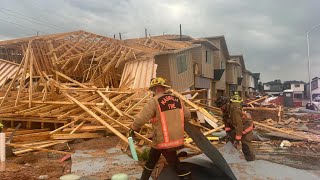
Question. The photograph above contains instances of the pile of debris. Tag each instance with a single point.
(75, 85)
(262, 108)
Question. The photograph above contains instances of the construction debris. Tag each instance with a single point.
(67, 88)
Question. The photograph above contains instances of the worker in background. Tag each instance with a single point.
(167, 114)
(1, 127)
(238, 124)
(236, 98)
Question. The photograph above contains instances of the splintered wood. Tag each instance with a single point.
(67, 86)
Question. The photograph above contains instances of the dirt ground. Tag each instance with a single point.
(35, 164)
(301, 155)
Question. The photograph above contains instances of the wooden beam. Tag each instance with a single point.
(76, 136)
(122, 125)
(79, 126)
(260, 108)
(66, 125)
(283, 131)
(264, 97)
(110, 103)
(200, 109)
(35, 148)
(121, 136)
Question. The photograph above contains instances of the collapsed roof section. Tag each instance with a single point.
(84, 56)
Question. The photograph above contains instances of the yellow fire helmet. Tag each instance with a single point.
(158, 81)
(236, 98)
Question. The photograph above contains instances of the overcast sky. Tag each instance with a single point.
(271, 34)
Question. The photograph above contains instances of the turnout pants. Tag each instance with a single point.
(171, 158)
(247, 148)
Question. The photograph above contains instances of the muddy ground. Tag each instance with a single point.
(36, 165)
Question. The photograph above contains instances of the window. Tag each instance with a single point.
(182, 63)
(221, 64)
(208, 57)
(297, 85)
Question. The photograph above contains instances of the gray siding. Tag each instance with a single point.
(163, 67)
(185, 80)
(197, 56)
(201, 82)
(207, 68)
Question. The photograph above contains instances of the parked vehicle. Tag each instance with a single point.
(317, 98)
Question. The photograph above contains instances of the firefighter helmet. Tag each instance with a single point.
(158, 81)
(236, 98)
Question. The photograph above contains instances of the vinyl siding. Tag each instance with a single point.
(181, 82)
(163, 67)
(207, 68)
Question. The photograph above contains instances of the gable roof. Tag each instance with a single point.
(294, 82)
(175, 37)
(223, 44)
(275, 82)
(240, 59)
(205, 42)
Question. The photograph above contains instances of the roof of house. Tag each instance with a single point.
(223, 44)
(175, 37)
(176, 51)
(232, 61)
(240, 56)
(275, 82)
(294, 82)
(256, 75)
(156, 44)
(205, 42)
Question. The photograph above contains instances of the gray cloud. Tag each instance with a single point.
(270, 34)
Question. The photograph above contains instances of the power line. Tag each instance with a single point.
(22, 26)
(52, 25)
(27, 20)
(46, 10)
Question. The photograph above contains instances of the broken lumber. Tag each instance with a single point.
(284, 131)
(76, 136)
(35, 148)
(200, 109)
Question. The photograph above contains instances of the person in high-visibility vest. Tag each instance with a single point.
(1, 127)
(238, 124)
(167, 114)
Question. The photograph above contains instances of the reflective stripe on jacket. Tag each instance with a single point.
(167, 114)
(235, 118)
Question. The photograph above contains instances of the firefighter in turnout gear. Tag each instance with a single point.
(167, 114)
(1, 126)
(238, 124)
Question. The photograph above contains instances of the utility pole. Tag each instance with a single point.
(180, 33)
(146, 32)
(309, 64)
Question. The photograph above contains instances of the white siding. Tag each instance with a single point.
(266, 87)
(297, 89)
